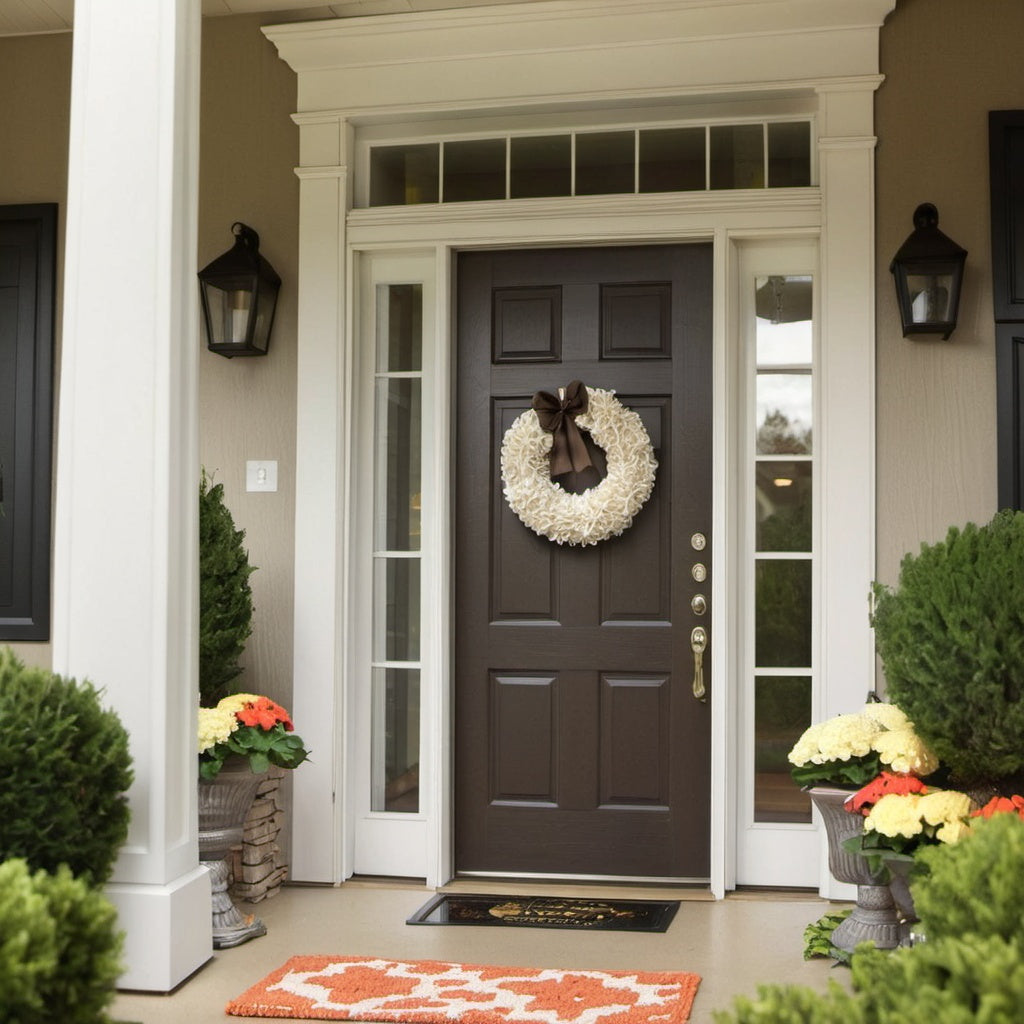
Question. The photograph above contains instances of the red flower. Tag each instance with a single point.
(1001, 805)
(865, 798)
(264, 713)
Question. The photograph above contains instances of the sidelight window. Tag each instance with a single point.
(395, 668)
(783, 549)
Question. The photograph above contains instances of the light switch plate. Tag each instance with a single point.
(261, 475)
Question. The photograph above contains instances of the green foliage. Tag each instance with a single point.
(262, 747)
(951, 637)
(793, 1004)
(65, 767)
(818, 936)
(59, 950)
(975, 885)
(856, 772)
(225, 596)
(967, 980)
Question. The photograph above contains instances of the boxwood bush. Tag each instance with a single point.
(951, 638)
(974, 886)
(65, 767)
(59, 948)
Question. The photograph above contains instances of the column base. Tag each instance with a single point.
(167, 930)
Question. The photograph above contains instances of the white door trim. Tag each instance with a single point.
(361, 71)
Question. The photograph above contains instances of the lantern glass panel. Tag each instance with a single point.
(930, 295)
(229, 302)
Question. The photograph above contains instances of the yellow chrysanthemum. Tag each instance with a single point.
(236, 701)
(944, 806)
(896, 814)
(887, 716)
(807, 748)
(845, 736)
(905, 752)
(215, 726)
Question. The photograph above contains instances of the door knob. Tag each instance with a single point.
(699, 604)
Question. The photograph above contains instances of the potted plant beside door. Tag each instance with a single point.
(832, 760)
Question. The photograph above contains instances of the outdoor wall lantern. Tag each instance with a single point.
(239, 292)
(928, 270)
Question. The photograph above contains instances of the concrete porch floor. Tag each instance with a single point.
(734, 944)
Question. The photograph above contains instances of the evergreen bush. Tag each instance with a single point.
(225, 596)
(951, 638)
(966, 980)
(65, 767)
(974, 886)
(59, 950)
(793, 1004)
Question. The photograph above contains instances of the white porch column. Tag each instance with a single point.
(125, 573)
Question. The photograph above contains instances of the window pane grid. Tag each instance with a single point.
(599, 161)
(783, 469)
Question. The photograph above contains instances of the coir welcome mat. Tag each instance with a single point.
(548, 912)
(433, 992)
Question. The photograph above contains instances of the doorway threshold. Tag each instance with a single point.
(491, 886)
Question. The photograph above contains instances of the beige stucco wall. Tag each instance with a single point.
(248, 153)
(947, 63)
(249, 147)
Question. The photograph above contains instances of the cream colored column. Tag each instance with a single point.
(125, 572)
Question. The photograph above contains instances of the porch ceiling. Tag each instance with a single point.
(31, 17)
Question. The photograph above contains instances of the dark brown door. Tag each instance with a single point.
(580, 748)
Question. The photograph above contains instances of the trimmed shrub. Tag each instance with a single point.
(59, 948)
(951, 638)
(968, 980)
(225, 596)
(65, 767)
(974, 886)
(793, 1004)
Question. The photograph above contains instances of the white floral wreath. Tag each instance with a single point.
(598, 513)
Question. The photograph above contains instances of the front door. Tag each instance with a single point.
(580, 748)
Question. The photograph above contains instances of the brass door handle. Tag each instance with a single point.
(698, 644)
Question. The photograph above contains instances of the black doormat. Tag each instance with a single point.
(548, 912)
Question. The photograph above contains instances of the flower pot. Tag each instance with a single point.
(874, 918)
(224, 802)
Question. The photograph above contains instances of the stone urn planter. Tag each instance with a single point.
(875, 917)
(224, 802)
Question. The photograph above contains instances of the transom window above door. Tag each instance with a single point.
(621, 160)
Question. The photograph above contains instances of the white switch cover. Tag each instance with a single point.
(261, 475)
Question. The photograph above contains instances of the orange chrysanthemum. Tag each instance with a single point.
(264, 713)
(867, 796)
(1001, 805)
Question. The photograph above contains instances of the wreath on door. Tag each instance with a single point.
(545, 442)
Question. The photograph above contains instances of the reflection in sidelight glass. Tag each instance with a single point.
(784, 414)
(396, 740)
(396, 578)
(782, 711)
(782, 624)
(783, 506)
(398, 469)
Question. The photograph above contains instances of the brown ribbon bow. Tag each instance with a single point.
(558, 418)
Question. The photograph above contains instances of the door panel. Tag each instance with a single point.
(579, 746)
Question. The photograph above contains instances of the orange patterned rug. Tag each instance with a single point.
(432, 992)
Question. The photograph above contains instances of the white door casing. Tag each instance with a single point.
(366, 75)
